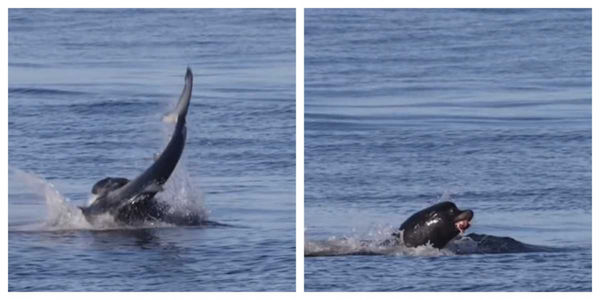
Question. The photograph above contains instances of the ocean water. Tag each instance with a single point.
(87, 90)
(488, 108)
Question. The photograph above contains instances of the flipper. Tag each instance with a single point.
(183, 102)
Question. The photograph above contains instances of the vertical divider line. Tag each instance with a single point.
(4, 15)
(299, 150)
(595, 166)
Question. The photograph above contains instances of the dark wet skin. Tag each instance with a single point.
(490, 244)
(437, 225)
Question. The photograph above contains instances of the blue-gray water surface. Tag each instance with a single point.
(488, 108)
(87, 90)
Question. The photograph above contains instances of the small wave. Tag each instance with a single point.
(516, 103)
(26, 65)
(42, 91)
(241, 90)
(122, 104)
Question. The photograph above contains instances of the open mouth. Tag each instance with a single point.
(463, 220)
(462, 225)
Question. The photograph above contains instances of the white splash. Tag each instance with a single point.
(60, 213)
(378, 241)
(183, 198)
(92, 199)
(181, 195)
